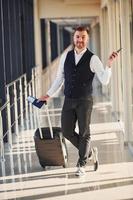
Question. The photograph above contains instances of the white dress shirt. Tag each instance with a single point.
(96, 66)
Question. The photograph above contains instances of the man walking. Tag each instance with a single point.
(76, 70)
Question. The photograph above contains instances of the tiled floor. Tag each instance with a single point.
(21, 176)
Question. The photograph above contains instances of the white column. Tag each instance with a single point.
(48, 46)
(104, 34)
(126, 65)
(48, 42)
(112, 47)
(38, 49)
(119, 64)
(58, 39)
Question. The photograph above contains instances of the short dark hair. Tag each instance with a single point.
(82, 28)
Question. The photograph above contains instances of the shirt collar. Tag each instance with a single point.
(81, 53)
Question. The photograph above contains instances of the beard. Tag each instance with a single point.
(80, 45)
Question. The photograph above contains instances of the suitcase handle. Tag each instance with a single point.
(49, 121)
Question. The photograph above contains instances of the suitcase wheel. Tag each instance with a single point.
(42, 164)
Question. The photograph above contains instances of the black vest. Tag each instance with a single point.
(78, 78)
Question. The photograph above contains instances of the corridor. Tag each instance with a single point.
(24, 178)
(33, 36)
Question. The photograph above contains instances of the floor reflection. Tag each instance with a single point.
(21, 176)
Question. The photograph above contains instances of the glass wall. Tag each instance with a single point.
(120, 111)
(117, 17)
(104, 34)
(16, 41)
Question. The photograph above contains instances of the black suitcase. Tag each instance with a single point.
(50, 146)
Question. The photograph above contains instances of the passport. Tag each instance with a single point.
(35, 101)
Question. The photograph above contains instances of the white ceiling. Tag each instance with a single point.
(74, 21)
(82, 2)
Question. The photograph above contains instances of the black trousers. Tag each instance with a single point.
(78, 110)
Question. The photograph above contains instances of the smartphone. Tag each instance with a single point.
(119, 50)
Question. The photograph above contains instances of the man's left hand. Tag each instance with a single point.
(111, 59)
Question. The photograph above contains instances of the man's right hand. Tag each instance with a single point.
(44, 98)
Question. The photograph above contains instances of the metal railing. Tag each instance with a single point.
(17, 114)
